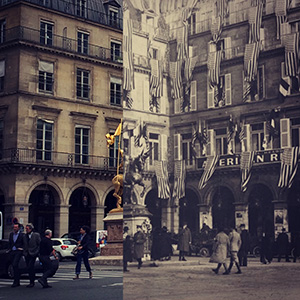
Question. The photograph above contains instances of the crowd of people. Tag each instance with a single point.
(32, 246)
(233, 243)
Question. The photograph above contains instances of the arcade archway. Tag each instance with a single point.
(261, 211)
(154, 206)
(294, 209)
(81, 202)
(42, 208)
(223, 208)
(189, 211)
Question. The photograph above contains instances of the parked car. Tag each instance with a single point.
(63, 247)
(5, 263)
(76, 236)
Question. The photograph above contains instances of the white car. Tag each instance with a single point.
(63, 247)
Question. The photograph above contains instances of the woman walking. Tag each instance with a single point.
(220, 251)
(83, 253)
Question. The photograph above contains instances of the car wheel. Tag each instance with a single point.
(204, 252)
(10, 271)
(256, 251)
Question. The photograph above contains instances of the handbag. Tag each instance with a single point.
(75, 250)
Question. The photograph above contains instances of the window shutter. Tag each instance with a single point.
(285, 77)
(247, 140)
(266, 137)
(228, 49)
(177, 106)
(164, 147)
(211, 145)
(177, 147)
(198, 23)
(228, 89)
(2, 68)
(193, 95)
(210, 97)
(285, 133)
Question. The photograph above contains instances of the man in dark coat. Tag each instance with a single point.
(139, 239)
(156, 246)
(283, 245)
(243, 253)
(266, 246)
(127, 249)
(31, 250)
(166, 244)
(16, 247)
(184, 241)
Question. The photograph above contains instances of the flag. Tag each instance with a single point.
(139, 132)
(251, 61)
(291, 44)
(195, 137)
(255, 19)
(247, 90)
(128, 71)
(216, 28)
(213, 65)
(222, 8)
(118, 130)
(283, 87)
(289, 167)
(246, 165)
(176, 79)
(209, 169)
(242, 136)
(155, 85)
(179, 180)
(230, 134)
(281, 15)
(162, 178)
(110, 139)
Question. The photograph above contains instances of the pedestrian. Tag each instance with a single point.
(266, 245)
(16, 247)
(243, 253)
(156, 246)
(139, 239)
(296, 246)
(220, 250)
(83, 252)
(32, 242)
(166, 244)
(283, 245)
(184, 241)
(46, 250)
(235, 244)
(127, 249)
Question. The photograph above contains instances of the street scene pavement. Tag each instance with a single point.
(194, 279)
(107, 283)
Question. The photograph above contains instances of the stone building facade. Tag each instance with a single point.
(61, 74)
(225, 103)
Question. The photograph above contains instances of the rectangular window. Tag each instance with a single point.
(187, 155)
(154, 145)
(115, 51)
(257, 136)
(1, 139)
(221, 141)
(192, 24)
(113, 152)
(45, 76)
(82, 84)
(2, 74)
(115, 91)
(113, 17)
(82, 42)
(2, 31)
(295, 124)
(46, 33)
(82, 140)
(44, 137)
(81, 8)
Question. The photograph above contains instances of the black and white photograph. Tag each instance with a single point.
(211, 122)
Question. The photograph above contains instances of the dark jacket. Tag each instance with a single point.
(283, 243)
(127, 248)
(32, 245)
(184, 239)
(245, 241)
(85, 243)
(19, 242)
(139, 240)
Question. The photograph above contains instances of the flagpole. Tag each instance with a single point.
(119, 143)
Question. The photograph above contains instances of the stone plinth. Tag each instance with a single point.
(114, 247)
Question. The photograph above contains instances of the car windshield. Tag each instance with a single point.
(69, 242)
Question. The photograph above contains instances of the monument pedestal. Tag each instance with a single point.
(112, 253)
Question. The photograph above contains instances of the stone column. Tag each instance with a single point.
(61, 220)
(166, 217)
(175, 221)
(97, 216)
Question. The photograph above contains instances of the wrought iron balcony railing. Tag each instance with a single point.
(75, 9)
(57, 159)
(26, 34)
